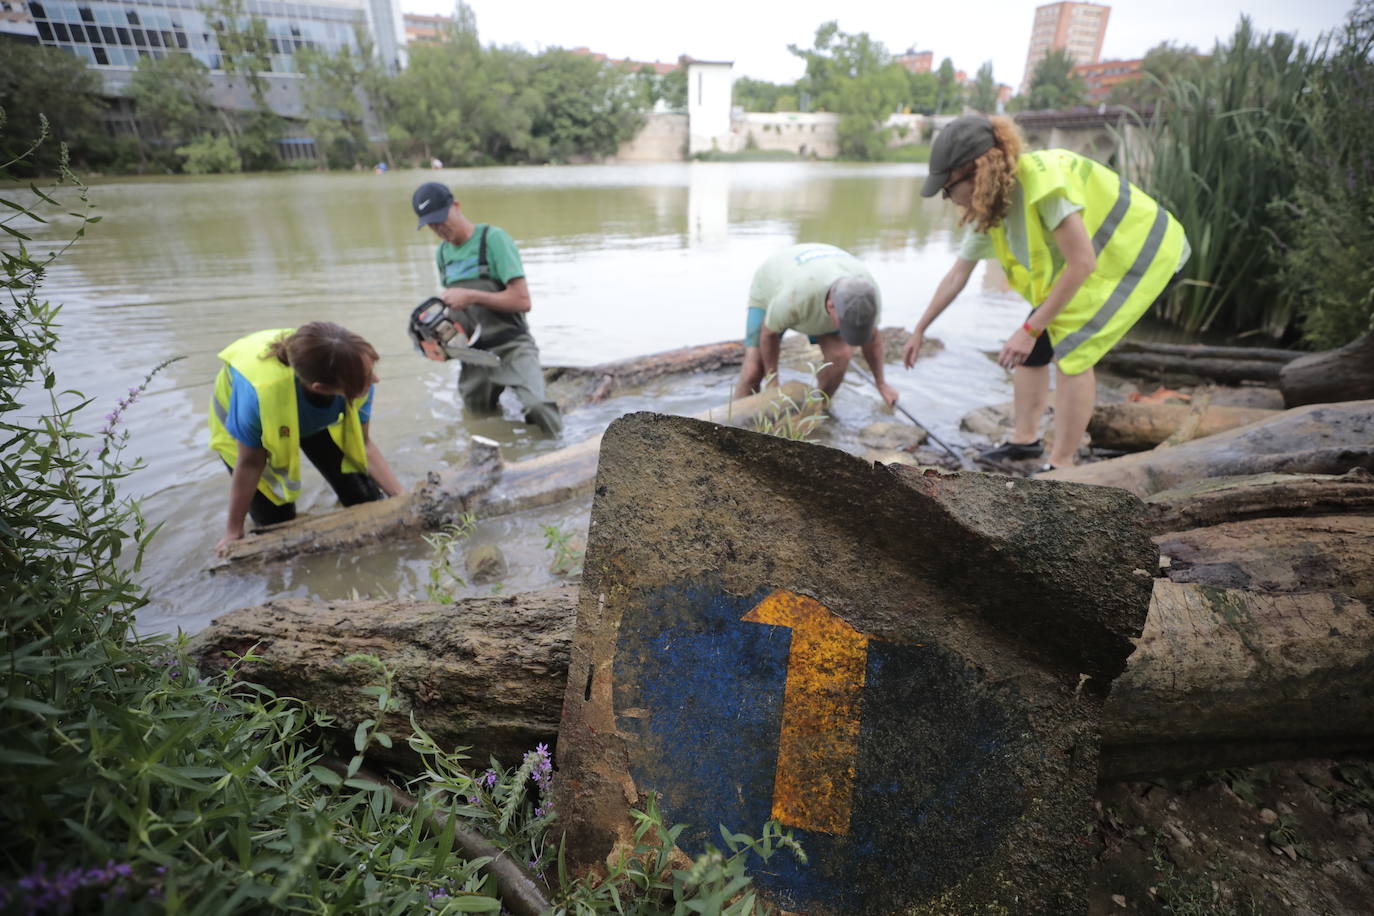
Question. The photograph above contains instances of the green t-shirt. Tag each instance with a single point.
(459, 262)
(792, 284)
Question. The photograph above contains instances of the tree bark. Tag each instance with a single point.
(1312, 553)
(1136, 427)
(1232, 499)
(1219, 677)
(1228, 678)
(574, 386)
(485, 488)
(1317, 439)
(1345, 374)
(1160, 365)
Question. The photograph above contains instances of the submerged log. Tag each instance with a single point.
(1219, 677)
(1140, 426)
(486, 487)
(1233, 499)
(1228, 678)
(1317, 439)
(1343, 374)
(573, 386)
(1228, 365)
(1299, 554)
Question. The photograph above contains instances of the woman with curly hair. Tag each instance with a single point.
(288, 391)
(1089, 250)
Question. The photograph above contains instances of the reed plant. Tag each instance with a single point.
(1217, 153)
(1326, 226)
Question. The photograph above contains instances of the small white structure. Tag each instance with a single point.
(709, 84)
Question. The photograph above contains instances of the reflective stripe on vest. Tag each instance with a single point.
(275, 385)
(1137, 243)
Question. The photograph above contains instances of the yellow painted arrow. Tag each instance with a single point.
(818, 748)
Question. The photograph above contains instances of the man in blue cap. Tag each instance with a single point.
(480, 270)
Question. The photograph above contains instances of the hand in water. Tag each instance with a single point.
(912, 351)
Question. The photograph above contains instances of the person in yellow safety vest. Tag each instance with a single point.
(287, 391)
(1089, 250)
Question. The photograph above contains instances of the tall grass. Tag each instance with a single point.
(1217, 153)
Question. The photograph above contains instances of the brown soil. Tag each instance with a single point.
(1296, 838)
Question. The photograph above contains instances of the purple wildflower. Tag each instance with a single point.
(488, 779)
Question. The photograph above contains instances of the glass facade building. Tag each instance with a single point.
(113, 33)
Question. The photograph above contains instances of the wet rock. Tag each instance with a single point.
(485, 564)
(889, 436)
(928, 630)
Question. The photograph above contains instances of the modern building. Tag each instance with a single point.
(113, 35)
(116, 33)
(16, 24)
(1099, 78)
(1077, 28)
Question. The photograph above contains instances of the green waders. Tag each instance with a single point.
(481, 387)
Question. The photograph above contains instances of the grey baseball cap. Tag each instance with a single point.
(856, 306)
(431, 201)
(962, 141)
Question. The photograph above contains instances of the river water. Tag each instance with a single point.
(622, 260)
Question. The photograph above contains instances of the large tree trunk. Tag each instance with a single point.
(484, 673)
(1345, 374)
(1317, 439)
(1229, 365)
(1233, 499)
(1317, 553)
(1136, 427)
(1219, 677)
(1227, 678)
(486, 487)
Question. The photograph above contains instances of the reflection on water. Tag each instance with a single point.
(621, 261)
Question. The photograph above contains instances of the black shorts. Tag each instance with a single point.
(1042, 352)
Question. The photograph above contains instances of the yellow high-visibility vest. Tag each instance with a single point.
(1137, 242)
(275, 385)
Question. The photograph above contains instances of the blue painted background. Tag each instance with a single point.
(935, 788)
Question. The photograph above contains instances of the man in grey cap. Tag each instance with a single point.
(823, 292)
(480, 270)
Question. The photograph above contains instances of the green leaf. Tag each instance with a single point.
(326, 776)
(24, 758)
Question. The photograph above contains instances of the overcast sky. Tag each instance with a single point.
(755, 34)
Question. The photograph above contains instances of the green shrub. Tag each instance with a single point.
(129, 783)
(210, 155)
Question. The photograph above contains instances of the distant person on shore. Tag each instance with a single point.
(823, 292)
(293, 390)
(480, 270)
(1086, 248)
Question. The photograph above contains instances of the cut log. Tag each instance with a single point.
(1233, 499)
(485, 488)
(485, 673)
(1218, 677)
(1140, 426)
(1203, 351)
(1300, 554)
(1228, 365)
(1344, 374)
(1229, 678)
(573, 386)
(1317, 439)
(1160, 366)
